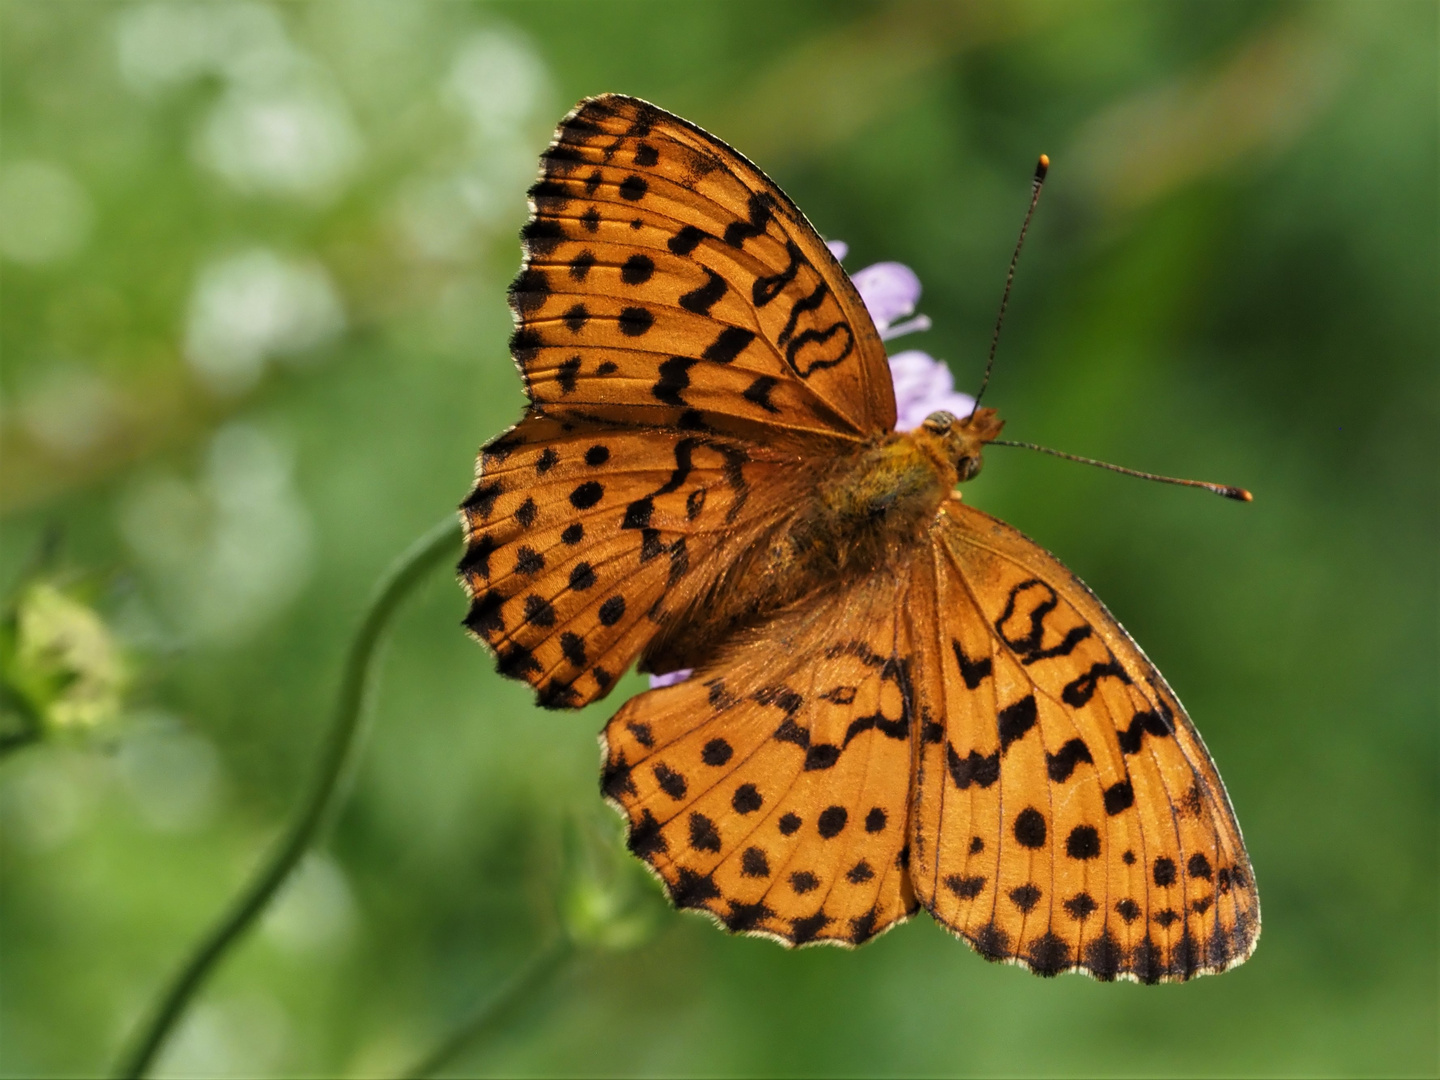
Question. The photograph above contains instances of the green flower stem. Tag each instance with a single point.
(521, 986)
(437, 545)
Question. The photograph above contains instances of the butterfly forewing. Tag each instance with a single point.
(772, 789)
(580, 544)
(1066, 814)
(679, 322)
(669, 282)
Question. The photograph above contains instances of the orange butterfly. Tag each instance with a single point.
(898, 700)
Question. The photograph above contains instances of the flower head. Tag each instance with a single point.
(923, 385)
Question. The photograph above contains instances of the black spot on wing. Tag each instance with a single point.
(737, 232)
(670, 781)
(1061, 764)
(1025, 897)
(1015, 720)
(580, 265)
(1029, 828)
(576, 317)
(586, 495)
(1083, 842)
(612, 610)
(567, 373)
(635, 321)
(966, 888)
(1119, 797)
(831, 821)
(730, 343)
(758, 393)
(703, 298)
(1081, 689)
(481, 499)
(476, 559)
(674, 379)
(972, 671)
(972, 768)
(747, 799)
(637, 270)
(1150, 722)
(686, 240)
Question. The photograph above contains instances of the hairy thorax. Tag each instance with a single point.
(867, 513)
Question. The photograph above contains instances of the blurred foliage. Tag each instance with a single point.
(253, 329)
(60, 669)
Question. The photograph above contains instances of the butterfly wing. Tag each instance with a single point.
(685, 338)
(771, 790)
(1066, 814)
(580, 543)
(669, 283)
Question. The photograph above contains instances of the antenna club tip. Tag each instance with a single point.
(1042, 167)
(1239, 494)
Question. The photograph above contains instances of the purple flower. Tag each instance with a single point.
(890, 291)
(923, 385)
(670, 678)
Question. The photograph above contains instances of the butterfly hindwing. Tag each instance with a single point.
(1067, 815)
(772, 789)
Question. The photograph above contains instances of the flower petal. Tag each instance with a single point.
(890, 291)
(670, 678)
(924, 385)
(838, 248)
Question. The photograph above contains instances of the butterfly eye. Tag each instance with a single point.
(939, 422)
(969, 467)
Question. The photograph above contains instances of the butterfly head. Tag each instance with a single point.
(960, 440)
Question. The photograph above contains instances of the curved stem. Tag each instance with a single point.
(530, 978)
(336, 755)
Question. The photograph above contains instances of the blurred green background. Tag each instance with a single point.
(254, 259)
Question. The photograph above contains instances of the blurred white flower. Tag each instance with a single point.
(315, 909)
(436, 215)
(255, 305)
(45, 215)
(161, 45)
(69, 410)
(280, 126)
(498, 81)
(228, 552)
(292, 139)
(242, 1035)
(50, 798)
(501, 87)
(172, 774)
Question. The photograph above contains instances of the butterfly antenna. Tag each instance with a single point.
(1041, 168)
(1239, 494)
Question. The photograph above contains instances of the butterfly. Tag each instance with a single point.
(897, 701)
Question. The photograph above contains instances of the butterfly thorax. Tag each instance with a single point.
(886, 498)
(865, 516)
